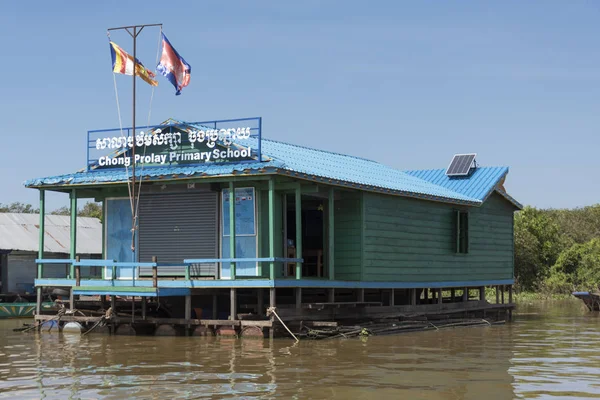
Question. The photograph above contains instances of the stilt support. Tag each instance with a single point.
(331, 295)
(233, 304)
(144, 301)
(361, 295)
(465, 296)
(393, 297)
(272, 303)
(188, 308)
(482, 293)
(413, 297)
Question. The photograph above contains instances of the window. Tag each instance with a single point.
(462, 232)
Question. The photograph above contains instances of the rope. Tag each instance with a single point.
(271, 310)
(122, 135)
(101, 321)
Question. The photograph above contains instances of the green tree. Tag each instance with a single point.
(90, 209)
(537, 246)
(18, 207)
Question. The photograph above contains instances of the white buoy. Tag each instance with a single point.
(72, 327)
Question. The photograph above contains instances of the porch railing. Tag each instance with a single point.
(115, 267)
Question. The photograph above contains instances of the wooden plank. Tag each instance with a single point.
(175, 321)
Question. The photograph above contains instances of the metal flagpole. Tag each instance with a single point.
(134, 36)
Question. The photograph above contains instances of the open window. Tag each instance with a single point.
(462, 231)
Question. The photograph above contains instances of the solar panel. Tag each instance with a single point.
(461, 165)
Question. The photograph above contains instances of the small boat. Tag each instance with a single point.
(591, 300)
(18, 306)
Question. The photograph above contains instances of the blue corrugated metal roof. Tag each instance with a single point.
(478, 184)
(312, 164)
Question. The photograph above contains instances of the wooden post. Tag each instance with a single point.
(71, 299)
(154, 272)
(73, 248)
(298, 297)
(497, 295)
(413, 297)
(502, 294)
(452, 294)
(482, 293)
(439, 295)
(331, 235)
(298, 204)
(272, 304)
(113, 303)
(272, 227)
(144, 307)
(426, 295)
(510, 300)
(233, 304)
(331, 295)
(188, 309)
(361, 295)
(40, 271)
(77, 272)
(465, 296)
(232, 228)
(214, 306)
(392, 297)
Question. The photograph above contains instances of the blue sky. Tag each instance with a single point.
(408, 84)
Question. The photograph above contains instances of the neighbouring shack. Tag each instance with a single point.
(19, 245)
(225, 227)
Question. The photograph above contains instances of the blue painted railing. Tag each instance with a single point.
(115, 266)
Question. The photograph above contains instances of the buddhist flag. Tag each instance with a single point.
(123, 64)
(173, 66)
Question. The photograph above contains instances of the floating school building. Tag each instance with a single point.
(225, 218)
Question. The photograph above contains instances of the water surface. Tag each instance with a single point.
(551, 351)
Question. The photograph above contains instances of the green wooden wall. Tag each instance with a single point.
(414, 240)
(348, 236)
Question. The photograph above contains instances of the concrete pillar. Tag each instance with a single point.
(439, 296)
(233, 304)
(331, 235)
(40, 271)
(465, 296)
(331, 295)
(232, 228)
(73, 247)
(393, 297)
(298, 204)
(413, 297)
(482, 293)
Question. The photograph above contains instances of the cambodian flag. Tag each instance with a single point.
(173, 66)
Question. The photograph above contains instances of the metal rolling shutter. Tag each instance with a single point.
(177, 226)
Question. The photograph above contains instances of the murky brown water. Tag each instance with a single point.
(552, 350)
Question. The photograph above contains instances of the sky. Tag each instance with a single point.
(405, 83)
